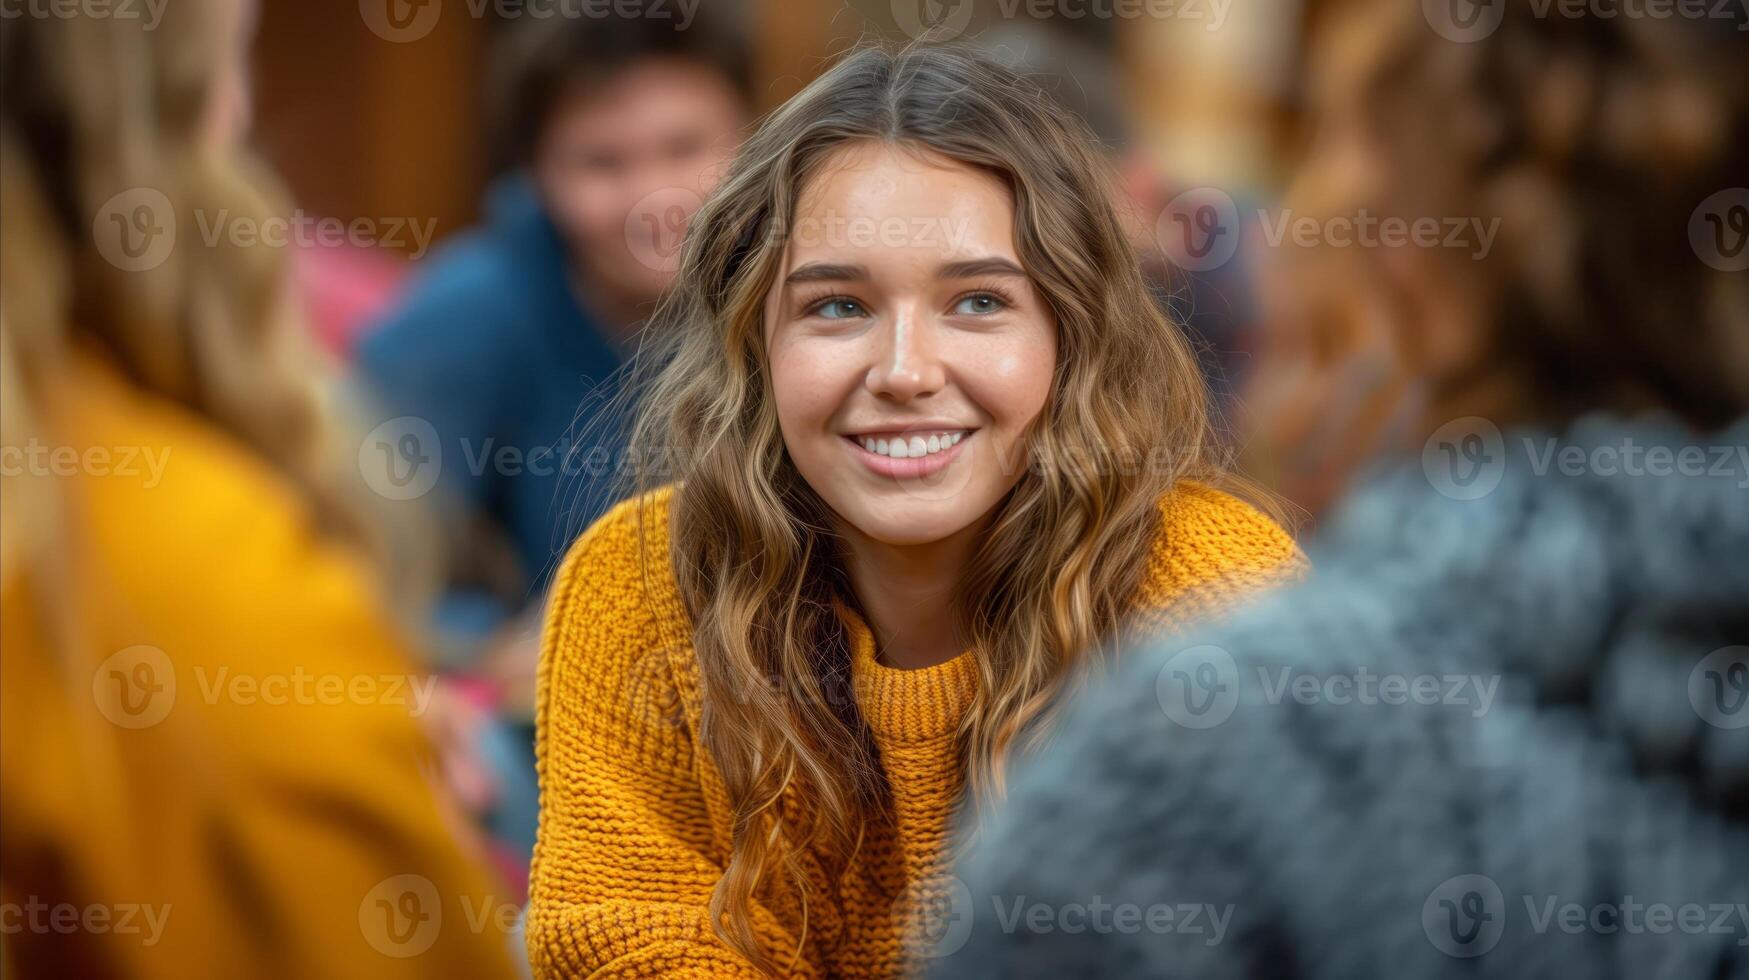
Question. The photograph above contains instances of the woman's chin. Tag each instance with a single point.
(909, 525)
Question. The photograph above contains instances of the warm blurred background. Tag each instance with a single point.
(487, 196)
(401, 128)
(406, 129)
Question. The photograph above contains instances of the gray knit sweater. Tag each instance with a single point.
(1503, 730)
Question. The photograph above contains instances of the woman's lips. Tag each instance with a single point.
(910, 467)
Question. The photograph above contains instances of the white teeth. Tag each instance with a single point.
(913, 447)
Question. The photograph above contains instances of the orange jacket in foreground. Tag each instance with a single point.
(635, 823)
(212, 752)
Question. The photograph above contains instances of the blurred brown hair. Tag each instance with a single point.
(1592, 140)
(537, 61)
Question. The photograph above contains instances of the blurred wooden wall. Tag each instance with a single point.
(363, 127)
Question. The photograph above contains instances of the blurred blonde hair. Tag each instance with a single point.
(758, 564)
(95, 107)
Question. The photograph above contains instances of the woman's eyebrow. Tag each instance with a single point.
(855, 272)
(988, 266)
(826, 272)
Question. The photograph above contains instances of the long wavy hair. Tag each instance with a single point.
(753, 546)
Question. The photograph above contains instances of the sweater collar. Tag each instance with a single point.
(907, 705)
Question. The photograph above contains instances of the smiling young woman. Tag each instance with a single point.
(930, 446)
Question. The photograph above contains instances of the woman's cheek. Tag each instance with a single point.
(1016, 379)
(786, 390)
(803, 386)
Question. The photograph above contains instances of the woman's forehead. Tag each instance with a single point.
(874, 202)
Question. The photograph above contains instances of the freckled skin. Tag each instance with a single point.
(904, 343)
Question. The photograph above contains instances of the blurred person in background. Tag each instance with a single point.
(1543, 570)
(209, 722)
(1365, 362)
(507, 348)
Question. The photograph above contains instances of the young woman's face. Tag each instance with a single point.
(909, 352)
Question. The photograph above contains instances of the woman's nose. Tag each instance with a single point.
(907, 364)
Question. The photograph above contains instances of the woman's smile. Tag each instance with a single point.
(908, 454)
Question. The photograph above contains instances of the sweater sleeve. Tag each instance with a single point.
(624, 866)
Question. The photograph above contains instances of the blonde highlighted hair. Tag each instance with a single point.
(101, 110)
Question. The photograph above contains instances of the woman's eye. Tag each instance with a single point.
(978, 304)
(839, 309)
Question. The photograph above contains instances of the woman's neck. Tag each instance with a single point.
(907, 593)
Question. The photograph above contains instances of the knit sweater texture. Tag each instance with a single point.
(636, 823)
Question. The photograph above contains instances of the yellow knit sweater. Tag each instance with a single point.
(635, 822)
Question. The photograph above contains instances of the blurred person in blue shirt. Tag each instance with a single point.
(494, 381)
